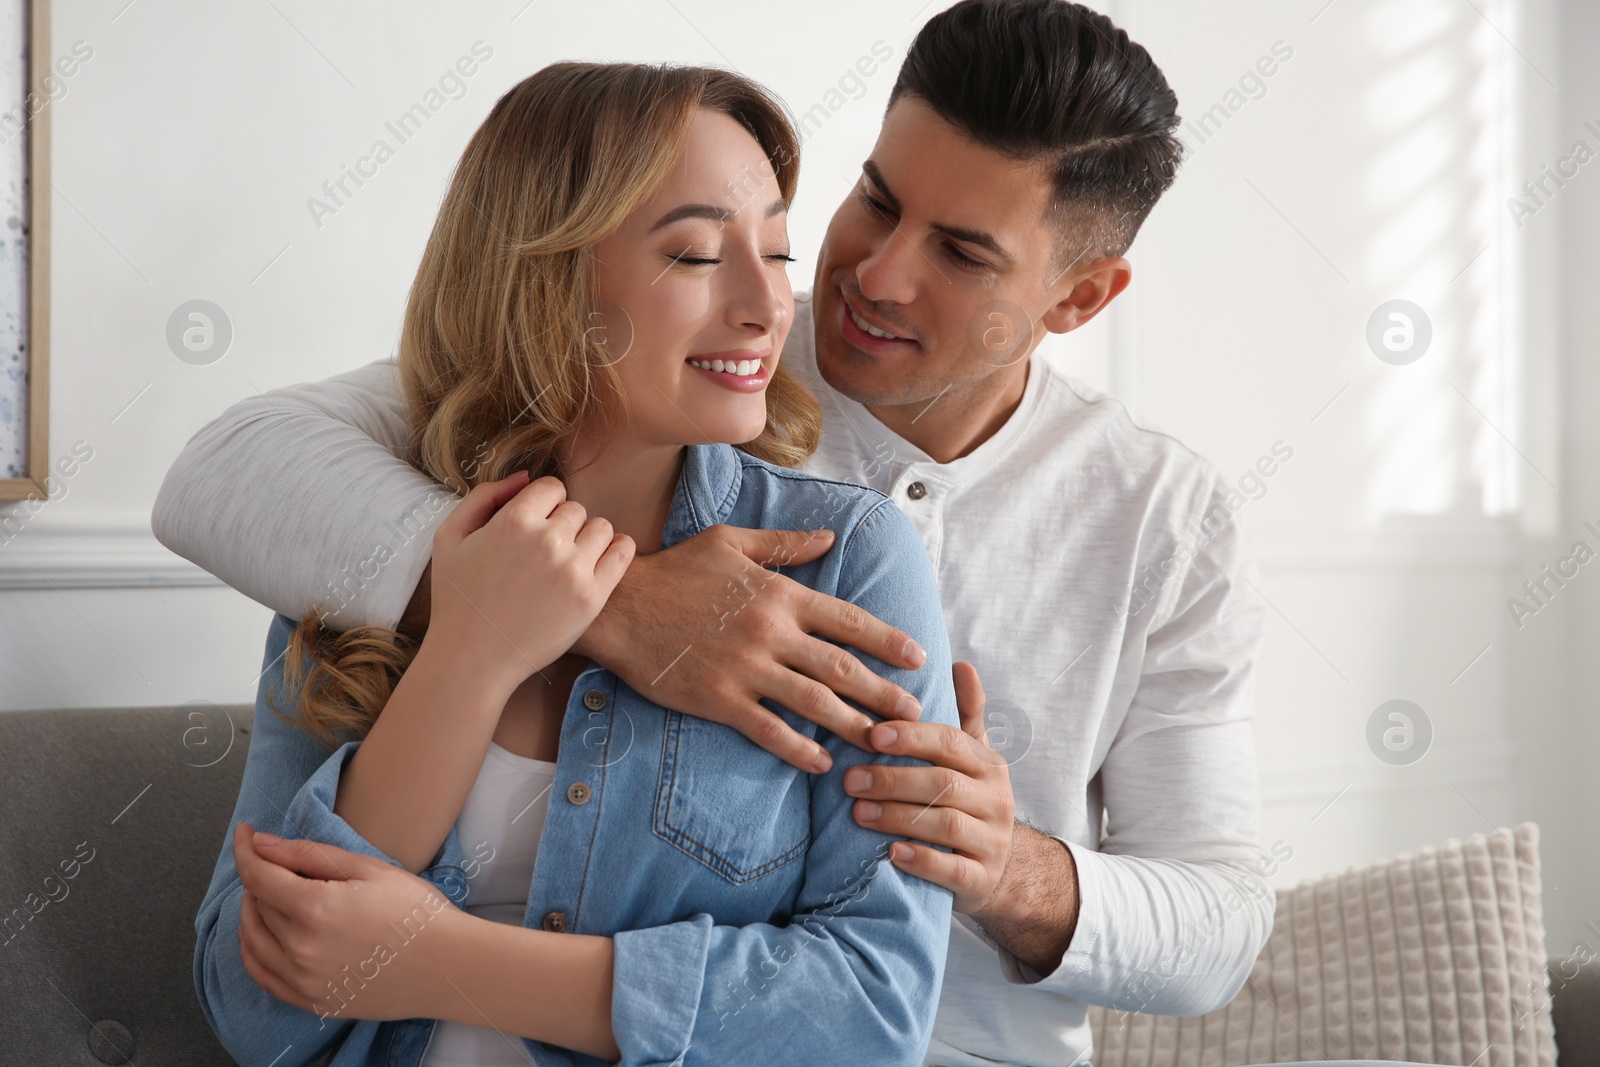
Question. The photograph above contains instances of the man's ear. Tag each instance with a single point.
(1081, 293)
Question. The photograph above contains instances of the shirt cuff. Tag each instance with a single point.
(1077, 962)
(655, 989)
(311, 816)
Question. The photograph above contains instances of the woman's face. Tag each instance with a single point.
(694, 280)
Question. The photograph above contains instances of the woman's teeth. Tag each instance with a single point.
(869, 329)
(744, 368)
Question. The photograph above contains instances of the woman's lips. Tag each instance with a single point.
(758, 369)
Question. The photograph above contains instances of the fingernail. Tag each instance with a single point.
(908, 708)
(858, 780)
(821, 533)
(900, 851)
(884, 735)
(824, 762)
(264, 838)
(913, 653)
(868, 810)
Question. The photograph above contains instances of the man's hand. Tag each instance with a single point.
(963, 801)
(371, 932)
(1019, 884)
(704, 628)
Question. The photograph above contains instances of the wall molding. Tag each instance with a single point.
(115, 552)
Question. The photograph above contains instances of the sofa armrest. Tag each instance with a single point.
(1575, 1004)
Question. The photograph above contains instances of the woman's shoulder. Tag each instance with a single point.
(822, 502)
(871, 532)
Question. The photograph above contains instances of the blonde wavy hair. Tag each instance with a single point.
(499, 355)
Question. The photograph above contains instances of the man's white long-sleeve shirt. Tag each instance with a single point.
(1090, 568)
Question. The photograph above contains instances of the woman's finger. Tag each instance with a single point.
(278, 924)
(613, 562)
(478, 506)
(595, 537)
(262, 951)
(271, 983)
(536, 500)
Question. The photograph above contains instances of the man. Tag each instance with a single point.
(1089, 567)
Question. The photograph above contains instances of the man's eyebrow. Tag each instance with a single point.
(870, 169)
(712, 212)
(982, 238)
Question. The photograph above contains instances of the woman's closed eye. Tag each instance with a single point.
(702, 261)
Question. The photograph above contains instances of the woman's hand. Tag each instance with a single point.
(356, 938)
(519, 572)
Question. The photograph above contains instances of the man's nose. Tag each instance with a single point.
(890, 273)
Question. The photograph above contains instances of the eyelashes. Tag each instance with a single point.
(703, 261)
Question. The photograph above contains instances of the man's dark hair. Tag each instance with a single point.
(1056, 82)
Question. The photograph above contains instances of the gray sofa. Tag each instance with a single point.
(112, 820)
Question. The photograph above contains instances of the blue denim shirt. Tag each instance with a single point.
(753, 919)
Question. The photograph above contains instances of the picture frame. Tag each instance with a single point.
(25, 117)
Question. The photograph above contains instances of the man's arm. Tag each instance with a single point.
(300, 497)
(1169, 914)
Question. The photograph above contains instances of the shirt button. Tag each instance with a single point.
(594, 700)
(578, 793)
(555, 921)
(916, 490)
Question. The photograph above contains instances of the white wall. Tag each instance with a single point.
(1375, 165)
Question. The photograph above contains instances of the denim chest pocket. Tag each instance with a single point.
(740, 811)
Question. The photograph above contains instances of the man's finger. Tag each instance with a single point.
(970, 700)
(847, 676)
(909, 785)
(941, 745)
(956, 873)
(844, 622)
(778, 548)
(767, 730)
(802, 693)
(934, 825)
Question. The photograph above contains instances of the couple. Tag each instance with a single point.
(861, 877)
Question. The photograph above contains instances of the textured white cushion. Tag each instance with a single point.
(1436, 958)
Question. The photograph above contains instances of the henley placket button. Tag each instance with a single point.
(555, 921)
(578, 793)
(916, 490)
(594, 700)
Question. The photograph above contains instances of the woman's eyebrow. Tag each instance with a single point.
(712, 212)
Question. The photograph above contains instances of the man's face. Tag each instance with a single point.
(944, 245)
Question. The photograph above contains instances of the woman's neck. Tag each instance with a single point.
(631, 484)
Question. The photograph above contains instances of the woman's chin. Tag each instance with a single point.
(731, 431)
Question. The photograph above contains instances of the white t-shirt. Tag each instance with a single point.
(1090, 567)
(499, 830)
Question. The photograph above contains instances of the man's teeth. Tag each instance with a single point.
(867, 328)
(744, 368)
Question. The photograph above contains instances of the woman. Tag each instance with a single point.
(602, 302)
